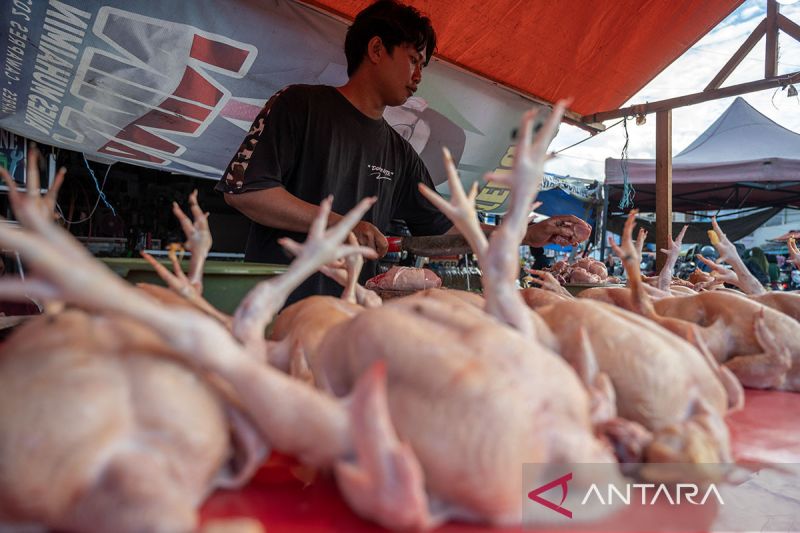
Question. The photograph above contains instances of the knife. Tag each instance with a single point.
(430, 246)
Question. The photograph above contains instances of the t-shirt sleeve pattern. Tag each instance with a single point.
(266, 156)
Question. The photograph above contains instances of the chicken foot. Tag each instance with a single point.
(672, 253)
(728, 254)
(198, 241)
(794, 252)
(179, 283)
(386, 483)
(547, 281)
(345, 272)
(631, 257)
(321, 247)
(198, 238)
(498, 255)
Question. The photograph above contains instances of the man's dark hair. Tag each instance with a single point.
(396, 24)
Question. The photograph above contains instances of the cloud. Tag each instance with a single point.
(689, 74)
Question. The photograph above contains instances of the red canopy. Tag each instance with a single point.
(598, 53)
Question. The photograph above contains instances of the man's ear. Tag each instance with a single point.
(375, 49)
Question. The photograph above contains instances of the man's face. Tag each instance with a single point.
(401, 73)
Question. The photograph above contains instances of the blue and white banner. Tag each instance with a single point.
(175, 85)
(12, 156)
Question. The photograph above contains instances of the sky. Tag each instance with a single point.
(690, 74)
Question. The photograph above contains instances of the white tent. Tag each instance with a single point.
(743, 159)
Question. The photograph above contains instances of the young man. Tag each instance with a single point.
(312, 141)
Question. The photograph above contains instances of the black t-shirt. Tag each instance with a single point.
(310, 140)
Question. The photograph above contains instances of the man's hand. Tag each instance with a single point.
(563, 230)
(370, 236)
(794, 252)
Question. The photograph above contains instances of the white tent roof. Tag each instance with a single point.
(741, 145)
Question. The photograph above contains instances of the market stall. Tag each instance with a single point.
(142, 408)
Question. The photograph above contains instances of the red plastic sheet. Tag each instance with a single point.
(766, 431)
(599, 53)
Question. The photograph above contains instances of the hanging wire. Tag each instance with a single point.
(628, 192)
(589, 137)
(101, 195)
(772, 100)
(97, 184)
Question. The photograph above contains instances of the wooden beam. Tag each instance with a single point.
(604, 222)
(738, 56)
(789, 27)
(663, 184)
(771, 58)
(691, 99)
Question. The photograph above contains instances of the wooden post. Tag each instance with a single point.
(604, 227)
(663, 183)
(771, 58)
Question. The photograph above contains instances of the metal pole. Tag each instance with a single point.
(604, 224)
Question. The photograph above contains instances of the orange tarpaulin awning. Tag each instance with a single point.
(598, 53)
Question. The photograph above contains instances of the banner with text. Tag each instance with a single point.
(176, 85)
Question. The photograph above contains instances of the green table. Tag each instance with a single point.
(225, 283)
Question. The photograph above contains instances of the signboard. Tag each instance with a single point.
(175, 85)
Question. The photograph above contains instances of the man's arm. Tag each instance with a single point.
(563, 230)
(278, 208)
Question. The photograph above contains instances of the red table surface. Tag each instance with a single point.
(767, 430)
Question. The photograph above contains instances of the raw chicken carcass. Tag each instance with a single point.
(460, 400)
(593, 266)
(405, 279)
(670, 387)
(760, 345)
(533, 402)
(298, 330)
(582, 233)
(560, 268)
(787, 303)
(447, 382)
(698, 276)
(740, 276)
(99, 431)
(535, 297)
(599, 269)
(580, 275)
(583, 271)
